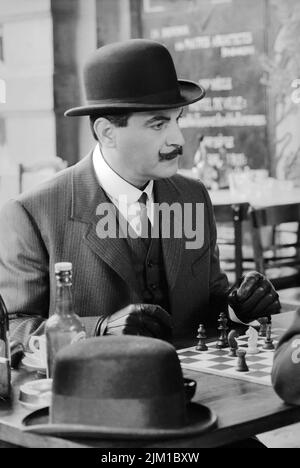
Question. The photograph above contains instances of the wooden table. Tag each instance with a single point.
(243, 409)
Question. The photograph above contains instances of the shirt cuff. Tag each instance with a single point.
(101, 326)
(234, 318)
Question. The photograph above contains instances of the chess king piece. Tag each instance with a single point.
(233, 344)
(252, 341)
(263, 326)
(64, 326)
(222, 340)
(268, 341)
(5, 372)
(241, 361)
(201, 346)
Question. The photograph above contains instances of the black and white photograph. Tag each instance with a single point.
(149, 226)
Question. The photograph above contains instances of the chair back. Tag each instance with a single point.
(280, 259)
(234, 214)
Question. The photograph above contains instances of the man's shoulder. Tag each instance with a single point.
(59, 186)
(187, 185)
(59, 183)
(49, 196)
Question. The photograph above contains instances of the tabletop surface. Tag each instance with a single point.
(265, 193)
(257, 200)
(243, 409)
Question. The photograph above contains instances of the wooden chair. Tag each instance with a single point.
(279, 259)
(233, 215)
(39, 171)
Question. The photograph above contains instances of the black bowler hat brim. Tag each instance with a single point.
(189, 92)
(200, 419)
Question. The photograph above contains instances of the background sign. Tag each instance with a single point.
(218, 43)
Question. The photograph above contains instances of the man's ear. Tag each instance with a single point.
(105, 132)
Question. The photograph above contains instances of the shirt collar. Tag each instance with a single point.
(113, 184)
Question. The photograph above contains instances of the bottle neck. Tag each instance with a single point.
(64, 302)
(3, 330)
(4, 323)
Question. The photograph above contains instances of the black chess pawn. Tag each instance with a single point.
(233, 344)
(201, 346)
(222, 340)
(268, 341)
(241, 361)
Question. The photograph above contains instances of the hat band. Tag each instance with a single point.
(169, 96)
(161, 412)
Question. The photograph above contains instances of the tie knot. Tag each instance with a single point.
(143, 199)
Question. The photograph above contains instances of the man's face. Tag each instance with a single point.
(149, 147)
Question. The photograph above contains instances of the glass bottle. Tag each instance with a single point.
(64, 326)
(5, 372)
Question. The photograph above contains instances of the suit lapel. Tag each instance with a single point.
(89, 205)
(88, 198)
(165, 191)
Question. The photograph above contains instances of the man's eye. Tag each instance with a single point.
(158, 125)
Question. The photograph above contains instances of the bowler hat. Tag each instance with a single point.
(137, 75)
(120, 387)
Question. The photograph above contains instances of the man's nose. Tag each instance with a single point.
(175, 136)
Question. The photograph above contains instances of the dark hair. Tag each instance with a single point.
(119, 120)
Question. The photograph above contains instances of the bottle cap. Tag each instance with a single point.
(63, 266)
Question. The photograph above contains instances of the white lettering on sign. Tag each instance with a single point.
(219, 83)
(219, 141)
(232, 39)
(236, 159)
(192, 43)
(296, 353)
(230, 119)
(240, 41)
(296, 94)
(219, 104)
(2, 91)
(237, 51)
(170, 31)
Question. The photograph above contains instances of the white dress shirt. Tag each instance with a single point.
(122, 194)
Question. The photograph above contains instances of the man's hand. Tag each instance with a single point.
(141, 319)
(253, 297)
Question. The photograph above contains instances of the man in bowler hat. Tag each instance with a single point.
(159, 286)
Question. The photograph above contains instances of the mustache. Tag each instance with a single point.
(177, 151)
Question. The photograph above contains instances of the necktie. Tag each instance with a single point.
(145, 222)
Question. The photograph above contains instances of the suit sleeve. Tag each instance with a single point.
(286, 366)
(24, 274)
(24, 277)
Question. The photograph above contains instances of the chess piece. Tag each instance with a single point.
(252, 341)
(222, 340)
(201, 346)
(268, 341)
(263, 326)
(233, 344)
(241, 361)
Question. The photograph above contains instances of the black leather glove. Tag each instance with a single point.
(253, 297)
(141, 319)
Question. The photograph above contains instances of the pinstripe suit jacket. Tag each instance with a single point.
(57, 222)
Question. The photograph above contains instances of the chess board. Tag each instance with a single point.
(218, 362)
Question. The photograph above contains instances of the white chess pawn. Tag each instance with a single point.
(252, 341)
